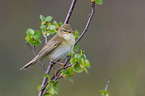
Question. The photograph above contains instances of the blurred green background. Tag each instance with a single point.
(114, 44)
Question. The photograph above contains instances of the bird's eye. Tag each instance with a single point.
(64, 30)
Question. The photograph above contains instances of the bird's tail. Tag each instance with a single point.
(29, 64)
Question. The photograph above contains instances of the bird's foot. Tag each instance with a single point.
(57, 62)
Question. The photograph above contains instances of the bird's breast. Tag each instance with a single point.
(62, 50)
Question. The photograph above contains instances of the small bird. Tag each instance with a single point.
(57, 47)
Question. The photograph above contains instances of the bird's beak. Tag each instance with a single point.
(71, 32)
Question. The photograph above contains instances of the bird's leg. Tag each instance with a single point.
(57, 62)
(54, 67)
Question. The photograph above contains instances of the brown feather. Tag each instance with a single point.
(48, 48)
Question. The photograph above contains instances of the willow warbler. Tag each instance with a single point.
(57, 47)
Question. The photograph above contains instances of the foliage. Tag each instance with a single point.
(104, 93)
(99, 1)
(33, 36)
(47, 28)
(79, 61)
(76, 47)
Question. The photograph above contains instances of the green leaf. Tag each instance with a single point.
(47, 94)
(56, 82)
(53, 89)
(69, 71)
(37, 33)
(77, 56)
(103, 91)
(87, 63)
(107, 94)
(77, 68)
(36, 37)
(60, 24)
(82, 52)
(43, 28)
(72, 60)
(84, 56)
(36, 42)
(42, 18)
(85, 69)
(52, 27)
(76, 47)
(72, 53)
(49, 24)
(82, 62)
(30, 40)
(52, 31)
(63, 71)
(55, 23)
(48, 18)
(70, 80)
(47, 75)
(100, 2)
(27, 38)
(76, 34)
(39, 87)
(30, 31)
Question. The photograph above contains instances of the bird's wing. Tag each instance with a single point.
(49, 47)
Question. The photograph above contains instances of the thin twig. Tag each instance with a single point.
(45, 34)
(59, 71)
(88, 23)
(67, 60)
(45, 79)
(70, 11)
(45, 39)
(107, 86)
(32, 49)
(58, 75)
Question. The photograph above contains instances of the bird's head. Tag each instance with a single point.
(65, 29)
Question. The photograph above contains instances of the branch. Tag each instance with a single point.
(107, 86)
(45, 79)
(32, 49)
(70, 11)
(104, 92)
(54, 78)
(59, 72)
(64, 67)
(88, 23)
